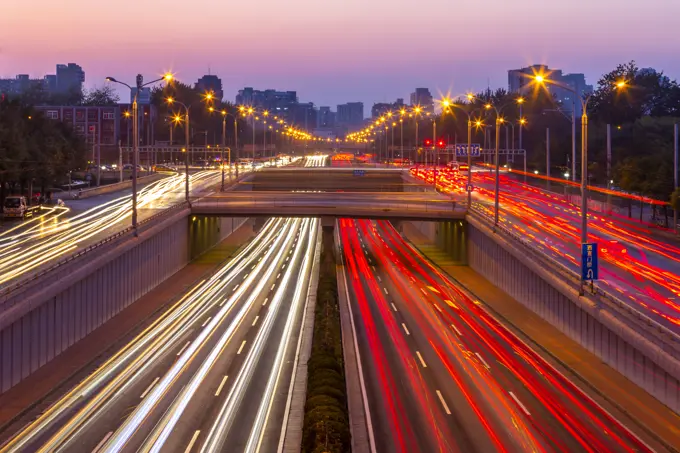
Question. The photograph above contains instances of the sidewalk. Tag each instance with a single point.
(643, 414)
(65, 370)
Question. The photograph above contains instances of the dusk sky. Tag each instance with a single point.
(335, 52)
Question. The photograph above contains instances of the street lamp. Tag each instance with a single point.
(170, 100)
(135, 132)
(619, 85)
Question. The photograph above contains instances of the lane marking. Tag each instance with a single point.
(483, 361)
(245, 276)
(193, 441)
(441, 399)
(284, 266)
(102, 442)
(183, 348)
(287, 258)
(437, 307)
(405, 329)
(385, 289)
(219, 389)
(393, 307)
(265, 301)
(373, 267)
(421, 359)
(272, 288)
(519, 403)
(206, 321)
(148, 389)
(457, 331)
(255, 321)
(278, 276)
(259, 259)
(379, 279)
(224, 301)
(241, 348)
(236, 287)
(253, 267)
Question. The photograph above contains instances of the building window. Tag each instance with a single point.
(108, 115)
(80, 129)
(53, 114)
(80, 115)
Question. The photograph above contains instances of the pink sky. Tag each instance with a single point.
(369, 50)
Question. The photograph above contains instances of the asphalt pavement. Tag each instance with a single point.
(443, 375)
(213, 371)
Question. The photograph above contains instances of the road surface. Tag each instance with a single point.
(442, 375)
(212, 374)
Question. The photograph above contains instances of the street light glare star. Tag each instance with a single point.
(539, 78)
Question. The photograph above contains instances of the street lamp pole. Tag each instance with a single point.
(186, 155)
(675, 174)
(573, 136)
(235, 147)
(135, 133)
(497, 184)
(224, 143)
(469, 156)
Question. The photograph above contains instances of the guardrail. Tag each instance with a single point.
(571, 277)
(8, 290)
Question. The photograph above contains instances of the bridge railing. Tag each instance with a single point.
(352, 201)
(570, 276)
(7, 290)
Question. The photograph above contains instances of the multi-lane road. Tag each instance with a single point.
(211, 374)
(441, 374)
(636, 267)
(26, 246)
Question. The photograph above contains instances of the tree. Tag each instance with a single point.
(105, 95)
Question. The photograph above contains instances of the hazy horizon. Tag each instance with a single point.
(336, 53)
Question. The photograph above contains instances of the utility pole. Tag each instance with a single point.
(547, 155)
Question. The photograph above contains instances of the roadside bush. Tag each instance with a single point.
(326, 423)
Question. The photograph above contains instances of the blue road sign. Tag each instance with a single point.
(589, 268)
(469, 187)
(461, 150)
(359, 172)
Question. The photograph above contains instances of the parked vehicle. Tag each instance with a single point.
(17, 206)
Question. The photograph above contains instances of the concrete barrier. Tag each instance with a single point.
(109, 188)
(640, 349)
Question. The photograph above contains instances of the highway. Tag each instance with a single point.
(316, 161)
(637, 268)
(441, 374)
(212, 373)
(27, 246)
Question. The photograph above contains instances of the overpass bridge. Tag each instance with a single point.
(373, 205)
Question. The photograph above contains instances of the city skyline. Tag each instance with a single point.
(356, 54)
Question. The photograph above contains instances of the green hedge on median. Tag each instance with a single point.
(326, 424)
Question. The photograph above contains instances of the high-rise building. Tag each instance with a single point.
(326, 117)
(380, 108)
(70, 78)
(350, 114)
(212, 84)
(423, 98)
(303, 115)
(519, 81)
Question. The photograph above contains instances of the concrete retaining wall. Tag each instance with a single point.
(639, 351)
(41, 320)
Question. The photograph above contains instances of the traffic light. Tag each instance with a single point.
(441, 144)
(428, 142)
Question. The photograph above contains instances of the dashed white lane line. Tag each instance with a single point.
(241, 348)
(394, 307)
(379, 279)
(265, 301)
(102, 442)
(420, 357)
(483, 361)
(219, 389)
(183, 348)
(148, 389)
(245, 276)
(193, 441)
(272, 288)
(253, 267)
(405, 329)
(441, 399)
(206, 321)
(224, 301)
(255, 321)
(385, 289)
(278, 276)
(519, 403)
(437, 307)
(373, 268)
(236, 287)
(457, 331)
